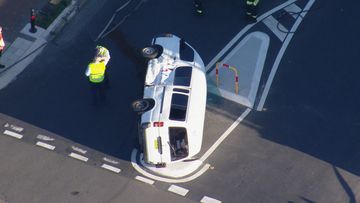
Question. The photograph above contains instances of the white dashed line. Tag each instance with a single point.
(111, 168)
(178, 190)
(274, 25)
(13, 134)
(207, 199)
(45, 145)
(145, 180)
(78, 157)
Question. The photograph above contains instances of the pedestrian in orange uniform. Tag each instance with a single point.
(2, 45)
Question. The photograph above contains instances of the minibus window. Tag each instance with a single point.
(178, 107)
(178, 143)
(186, 52)
(183, 76)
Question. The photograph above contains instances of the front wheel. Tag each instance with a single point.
(152, 52)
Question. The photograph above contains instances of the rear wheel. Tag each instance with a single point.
(142, 105)
(151, 52)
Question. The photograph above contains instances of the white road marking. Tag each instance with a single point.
(243, 31)
(293, 10)
(178, 190)
(78, 149)
(45, 145)
(280, 55)
(14, 127)
(78, 157)
(207, 199)
(276, 27)
(111, 168)
(13, 134)
(111, 19)
(44, 137)
(224, 135)
(145, 180)
(167, 180)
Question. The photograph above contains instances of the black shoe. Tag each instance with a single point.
(199, 11)
(2, 66)
(251, 18)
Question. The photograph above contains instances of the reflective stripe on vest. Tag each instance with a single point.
(252, 2)
(97, 72)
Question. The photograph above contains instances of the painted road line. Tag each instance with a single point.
(207, 199)
(78, 157)
(224, 135)
(13, 134)
(145, 180)
(178, 190)
(280, 55)
(276, 27)
(111, 19)
(111, 168)
(293, 10)
(242, 32)
(45, 145)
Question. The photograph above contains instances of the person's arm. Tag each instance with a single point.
(107, 57)
(87, 71)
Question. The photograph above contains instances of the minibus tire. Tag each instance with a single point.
(151, 52)
(142, 105)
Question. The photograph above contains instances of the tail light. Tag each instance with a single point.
(158, 124)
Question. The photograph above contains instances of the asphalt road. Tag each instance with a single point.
(302, 148)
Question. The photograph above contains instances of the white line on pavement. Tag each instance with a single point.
(144, 180)
(276, 27)
(243, 31)
(224, 135)
(293, 10)
(178, 190)
(13, 134)
(111, 168)
(45, 145)
(280, 55)
(207, 199)
(78, 157)
(111, 19)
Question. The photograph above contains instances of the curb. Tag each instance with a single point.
(65, 16)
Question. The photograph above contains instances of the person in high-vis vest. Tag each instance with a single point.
(198, 6)
(251, 8)
(96, 71)
(2, 45)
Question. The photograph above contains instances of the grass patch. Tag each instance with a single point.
(50, 12)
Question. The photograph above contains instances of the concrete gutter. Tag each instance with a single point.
(27, 45)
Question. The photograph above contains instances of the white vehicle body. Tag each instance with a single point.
(172, 130)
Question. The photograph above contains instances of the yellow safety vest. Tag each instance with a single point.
(2, 43)
(97, 72)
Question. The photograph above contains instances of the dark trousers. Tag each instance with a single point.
(198, 5)
(98, 90)
(251, 10)
(1, 66)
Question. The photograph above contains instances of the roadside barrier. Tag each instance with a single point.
(230, 68)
